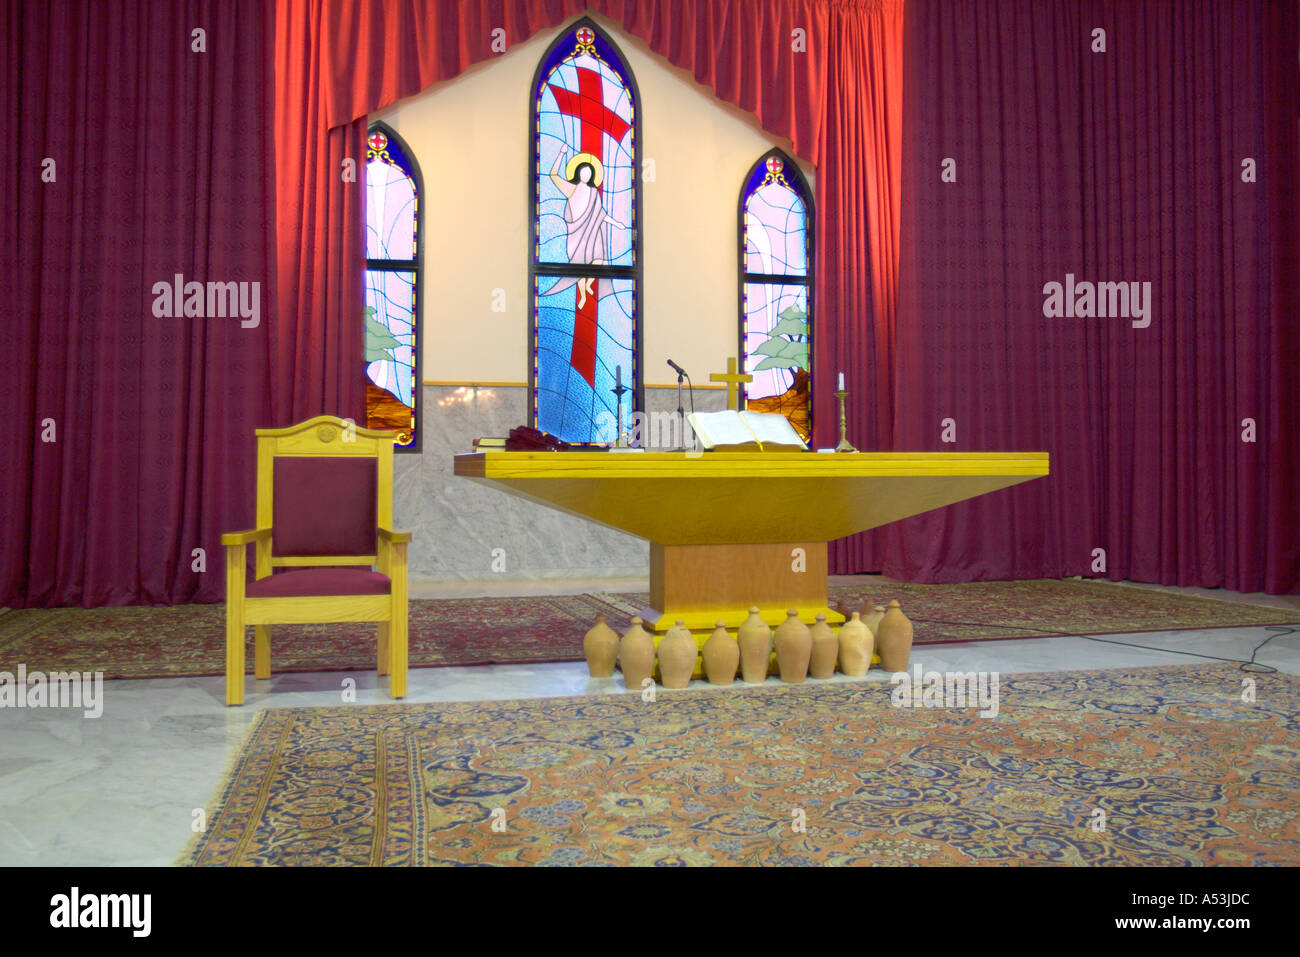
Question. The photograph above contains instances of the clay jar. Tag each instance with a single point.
(677, 654)
(600, 645)
(871, 618)
(825, 649)
(856, 646)
(755, 641)
(793, 642)
(636, 655)
(721, 656)
(894, 639)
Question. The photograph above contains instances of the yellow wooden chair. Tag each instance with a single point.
(324, 511)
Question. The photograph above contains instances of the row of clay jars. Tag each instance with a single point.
(635, 653)
(800, 650)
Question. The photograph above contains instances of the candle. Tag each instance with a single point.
(618, 380)
(841, 388)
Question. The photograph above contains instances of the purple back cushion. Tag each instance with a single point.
(324, 506)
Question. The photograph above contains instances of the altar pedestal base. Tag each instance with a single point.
(704, 584)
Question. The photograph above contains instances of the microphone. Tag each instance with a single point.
(676, 368)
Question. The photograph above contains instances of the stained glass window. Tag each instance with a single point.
(585, 261)
(776, 290)
(392, 286)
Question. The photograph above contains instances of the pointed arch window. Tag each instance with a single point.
(776, 301)
(392, 303)
(585, 256)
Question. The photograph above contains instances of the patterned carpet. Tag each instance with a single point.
(1185, 772)
(139, 642)
(142, 642)
(1042, 607)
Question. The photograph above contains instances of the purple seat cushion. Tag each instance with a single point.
(324, 506)
(320, 581)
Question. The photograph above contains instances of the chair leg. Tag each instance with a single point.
(397, 655)
(261, 651)
(234, 654)
(385, 632)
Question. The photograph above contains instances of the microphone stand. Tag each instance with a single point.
(681, 416)
(681, 412)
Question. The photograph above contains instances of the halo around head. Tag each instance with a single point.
(597, 169)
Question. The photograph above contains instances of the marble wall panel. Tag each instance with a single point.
(457, 524)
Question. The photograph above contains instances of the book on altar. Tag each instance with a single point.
(732, 431)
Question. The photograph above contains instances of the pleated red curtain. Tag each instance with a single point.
(858, 201)
(1058, 141)
(137, 130)
(319, 244)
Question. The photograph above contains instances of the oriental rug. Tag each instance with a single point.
(188, 640)
(1152, 766)
(1038, 608)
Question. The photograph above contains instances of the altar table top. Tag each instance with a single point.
(703, 498)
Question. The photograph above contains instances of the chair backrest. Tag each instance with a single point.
(322, 487)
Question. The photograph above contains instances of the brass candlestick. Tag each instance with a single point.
(845, 445)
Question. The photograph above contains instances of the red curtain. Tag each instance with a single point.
(137, 157)
(858, 202)
(1069, 162)
(319, 168)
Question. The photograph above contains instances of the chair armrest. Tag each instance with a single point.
(395, 538)
(244, 537)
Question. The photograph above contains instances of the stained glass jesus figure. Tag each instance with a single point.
(585, 214)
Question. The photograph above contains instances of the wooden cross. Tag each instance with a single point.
(733, 380)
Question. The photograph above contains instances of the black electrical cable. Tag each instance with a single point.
(1254, 666)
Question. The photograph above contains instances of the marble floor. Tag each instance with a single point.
(124, 789)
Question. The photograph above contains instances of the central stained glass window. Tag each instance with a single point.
(585, 262)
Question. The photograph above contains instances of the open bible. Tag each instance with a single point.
(732, 431)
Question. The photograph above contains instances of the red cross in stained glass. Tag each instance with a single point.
(774, 166)
(378, 141)
(588, 105)
(586, 36)
(595, 120)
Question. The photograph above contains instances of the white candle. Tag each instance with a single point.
(841, 388)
